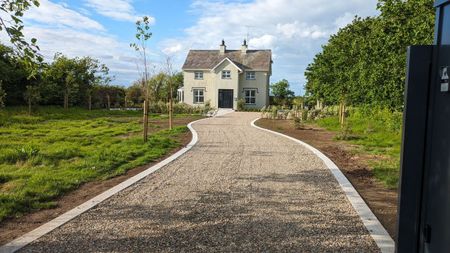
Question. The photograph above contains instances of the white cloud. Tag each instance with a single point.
(265, 41)
(293, 29)
(59, 28)
(172, 49)
(50, 13)
(344, 20)
(121, 10)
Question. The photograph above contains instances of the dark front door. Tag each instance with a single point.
(225, 98)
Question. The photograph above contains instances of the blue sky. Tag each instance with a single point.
(103, 29)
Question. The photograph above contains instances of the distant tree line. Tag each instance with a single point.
(67, 82)
(365, 62)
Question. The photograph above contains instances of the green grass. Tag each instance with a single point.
(376, 132)
(55, 151)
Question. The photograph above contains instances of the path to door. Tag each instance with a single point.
(239, 189)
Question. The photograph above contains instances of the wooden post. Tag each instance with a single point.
(90, 102)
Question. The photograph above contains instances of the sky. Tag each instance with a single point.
(294, 30)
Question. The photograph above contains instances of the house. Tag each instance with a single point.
(222, 77)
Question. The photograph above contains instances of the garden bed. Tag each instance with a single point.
(354, 164)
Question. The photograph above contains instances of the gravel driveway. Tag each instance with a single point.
(239, 189)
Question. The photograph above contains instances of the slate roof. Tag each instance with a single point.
(258, 60)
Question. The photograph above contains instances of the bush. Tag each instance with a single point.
(241, 104)
(298, 123)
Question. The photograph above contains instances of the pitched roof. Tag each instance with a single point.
(259, 60)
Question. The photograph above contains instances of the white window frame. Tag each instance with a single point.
(226, 74)
(198, 94)
(198, 75)
(250, 75)
(248, 96)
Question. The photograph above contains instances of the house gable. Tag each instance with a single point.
(223, 63)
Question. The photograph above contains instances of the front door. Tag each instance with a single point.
(226, 99)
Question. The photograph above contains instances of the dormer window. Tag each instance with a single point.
(198, 75)
(226, 74)
(251, 75)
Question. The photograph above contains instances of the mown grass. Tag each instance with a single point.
(54, 151)
(376, 132)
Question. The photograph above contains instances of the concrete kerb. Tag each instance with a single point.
(46, 228)
(370, 221)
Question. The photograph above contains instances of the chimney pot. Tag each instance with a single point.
(223, 47)
(244, 47)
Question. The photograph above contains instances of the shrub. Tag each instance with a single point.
(241, 104)
(298, 123)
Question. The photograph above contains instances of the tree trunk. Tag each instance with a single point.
(170, 106)
(90, 102)
(108, 99)
(342, 109)
(66, 100)
(29, 106)
(145, 119)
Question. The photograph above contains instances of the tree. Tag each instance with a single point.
(170, 81)
(32, 95)
(364, 62)
(2, 95)
(134, 95)
(143, 34)
(73, 79)
(26, 51)
(282, 92)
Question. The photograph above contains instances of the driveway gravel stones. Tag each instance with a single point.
(239, 189)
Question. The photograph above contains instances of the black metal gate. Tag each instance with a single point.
(424, 211)
(225, 98)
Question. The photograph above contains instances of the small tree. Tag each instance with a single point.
(2, 96)
(143, 34)
(32, 95)
(282, 92)
(170, 81)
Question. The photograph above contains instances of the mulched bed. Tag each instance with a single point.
(381, 200)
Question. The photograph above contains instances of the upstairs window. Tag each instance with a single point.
(250, 96)
(198, 75)
(226, 74)
(199, 96)
(250, 75)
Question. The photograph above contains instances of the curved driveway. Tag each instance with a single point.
(239, 189)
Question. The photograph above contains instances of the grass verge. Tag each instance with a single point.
(54, 151)
(376, 132)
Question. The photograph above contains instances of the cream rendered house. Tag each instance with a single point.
(223, 76)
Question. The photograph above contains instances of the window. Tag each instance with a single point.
(226, 74)
(250, 75)
(250, 97)
(198, 75)
(199, 96)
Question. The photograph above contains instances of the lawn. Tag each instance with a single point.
(54, 151)
(376, 132)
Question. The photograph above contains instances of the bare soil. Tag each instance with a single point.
(15, 227)
(381, 200)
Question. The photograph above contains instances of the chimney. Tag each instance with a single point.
(244, 47)
(223, 48)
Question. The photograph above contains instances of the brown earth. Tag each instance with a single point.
(15, 227)
(381, 200)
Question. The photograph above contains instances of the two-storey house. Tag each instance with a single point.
(223, 77)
